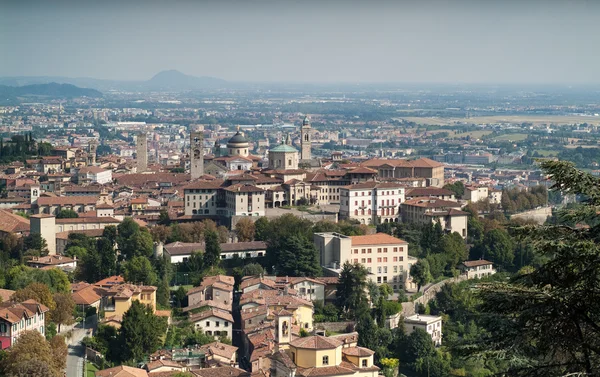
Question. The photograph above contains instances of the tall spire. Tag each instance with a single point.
(288, 140)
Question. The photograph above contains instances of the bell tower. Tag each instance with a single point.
(283, 333)
(92, 150)
(196, 154)
(306, 140)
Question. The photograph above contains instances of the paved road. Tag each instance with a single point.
(76, 352)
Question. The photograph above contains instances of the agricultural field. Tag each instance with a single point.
(514, 119)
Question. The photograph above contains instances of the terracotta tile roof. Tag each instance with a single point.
(431, 203)
(476, 263)
(284, 358)
(227, 371)
(89, 220)
(14, 312)
(428, 191)
(243, 246)
(316, 342)
(425, 163)
(348, 338)
(329, 280)
(219, 349)
(5, 294)
(256, 280)
(88, 295)
(254, 312)
(122, 371)
(110, 281)
(50, 260)
(373, 185)
(163, 363)
(66, 200)
(151, 180)
(12, 223)
(357, 351)
(207, 281)
(213, 312)
(362, 170)
(203, 184)
(243, 188)
(376, 239)
(325, 371)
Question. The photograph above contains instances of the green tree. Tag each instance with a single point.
(133, 240)
(139, 270)
(107, 257)
(32, 347)
(63, 311)
(350, 294)
(298, 256)
(497, 247)
(67, 214)
(261, 227)
(35, 242)
(140, 332)
(253, 269)
(420, 273)
(212, 251)
(245, 229)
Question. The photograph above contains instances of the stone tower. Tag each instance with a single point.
(45, 226)
(142, 152)
(196, 154)
(283, 332)
(217, 149)
(92, 150)
(306, 140)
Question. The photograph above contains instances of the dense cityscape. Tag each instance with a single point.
(188, 226)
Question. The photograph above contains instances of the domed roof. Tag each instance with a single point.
(238, 138)
(283, 148)
(306, 121)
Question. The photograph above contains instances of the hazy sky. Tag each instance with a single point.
(490, 41)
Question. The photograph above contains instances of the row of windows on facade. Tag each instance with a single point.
(384, 212)
(19, 326)
(384, 269)
(218, 323)
(383, 202)
(379, 250)
(362, 193)
(379, 260)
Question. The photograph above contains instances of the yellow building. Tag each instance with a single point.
(317, 355)
(119, 298)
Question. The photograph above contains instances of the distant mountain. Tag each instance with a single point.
(48, 90)
(175, 80)
(171, 80)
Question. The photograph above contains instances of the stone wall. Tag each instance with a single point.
(334, 326)
(408, 308)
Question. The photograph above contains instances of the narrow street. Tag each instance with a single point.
(76, 351)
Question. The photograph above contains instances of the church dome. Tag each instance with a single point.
(238, 138)
(306, 121)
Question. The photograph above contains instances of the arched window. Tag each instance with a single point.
(306, 137)
(290, 162)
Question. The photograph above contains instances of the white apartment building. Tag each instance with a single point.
(17, 318)
(215, 322)
(430, 210)
(475, 193)
(244, 200)
(371, 202)
(476, 269)
(429, 323)
(385, 257)
(94, 174)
